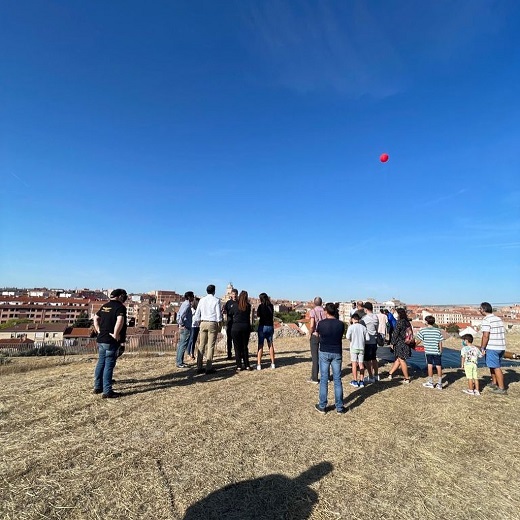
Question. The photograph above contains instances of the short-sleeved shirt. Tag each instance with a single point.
(430, 337)
(470, 354)
(371, 322)
(331, 332)
(357, 334)
(497, 337)
(318, 314)
(108, 315)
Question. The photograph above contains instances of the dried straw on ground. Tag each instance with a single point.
(250, 445)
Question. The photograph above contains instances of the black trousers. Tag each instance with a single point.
(240, 334)
(315, 346)
(229, 340)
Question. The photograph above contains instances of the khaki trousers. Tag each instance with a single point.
(207, 341)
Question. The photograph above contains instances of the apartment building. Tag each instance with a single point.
(453, 315)
(165, 298)
(37, 332)
(41, 309)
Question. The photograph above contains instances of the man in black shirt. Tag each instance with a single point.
(110, 325)
(229, 309)
(331, 331)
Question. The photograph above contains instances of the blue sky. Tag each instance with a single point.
(172, 144)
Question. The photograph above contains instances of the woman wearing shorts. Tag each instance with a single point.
(265, 328)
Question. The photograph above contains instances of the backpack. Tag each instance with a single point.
(408, 336)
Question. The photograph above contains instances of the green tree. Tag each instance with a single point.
(452, 327)
(82, 321)
(155, 321)
(288, 317)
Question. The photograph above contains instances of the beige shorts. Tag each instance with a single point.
(471, 370)
(356, 356)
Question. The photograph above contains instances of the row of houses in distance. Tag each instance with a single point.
(46, 306)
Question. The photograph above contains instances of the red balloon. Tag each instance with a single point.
(384, 157)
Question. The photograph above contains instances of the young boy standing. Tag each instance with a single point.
(469, 355)
(357, 334)
(431, 338)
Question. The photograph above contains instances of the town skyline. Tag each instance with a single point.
(74, 290)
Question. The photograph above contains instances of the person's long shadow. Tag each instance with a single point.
(224, 370)
(270, 497)
(178, 378)
(358, 397)
(510, 376)
(450, 377)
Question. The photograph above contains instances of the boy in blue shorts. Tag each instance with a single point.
(431, 338)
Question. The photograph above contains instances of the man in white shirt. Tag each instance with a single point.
(494, 346)
(209, 315)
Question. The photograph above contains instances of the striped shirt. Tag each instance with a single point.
(431, 338)
(497, 337)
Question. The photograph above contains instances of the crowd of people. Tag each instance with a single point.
(202, 319)
(200, 322)
(367, 331)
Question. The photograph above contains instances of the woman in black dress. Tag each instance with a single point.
(241, 329)
(402, 351)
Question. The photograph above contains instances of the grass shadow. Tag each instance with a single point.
(359, 396)
(510, 377)
(263, 498)
(177, 379)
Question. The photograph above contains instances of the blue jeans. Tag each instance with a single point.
(193, 340)
(328, 359)
(184, 337)
(105, 367)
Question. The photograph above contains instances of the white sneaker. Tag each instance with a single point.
(476, 392)
(259, 367)
(438, 386)
(469, 392)
(273, 366)
(429, 384)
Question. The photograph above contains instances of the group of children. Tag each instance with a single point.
(431, 339)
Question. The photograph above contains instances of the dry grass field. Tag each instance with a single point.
(250, 445)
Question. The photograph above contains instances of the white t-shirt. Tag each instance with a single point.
(497, 333)
(357, 334)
